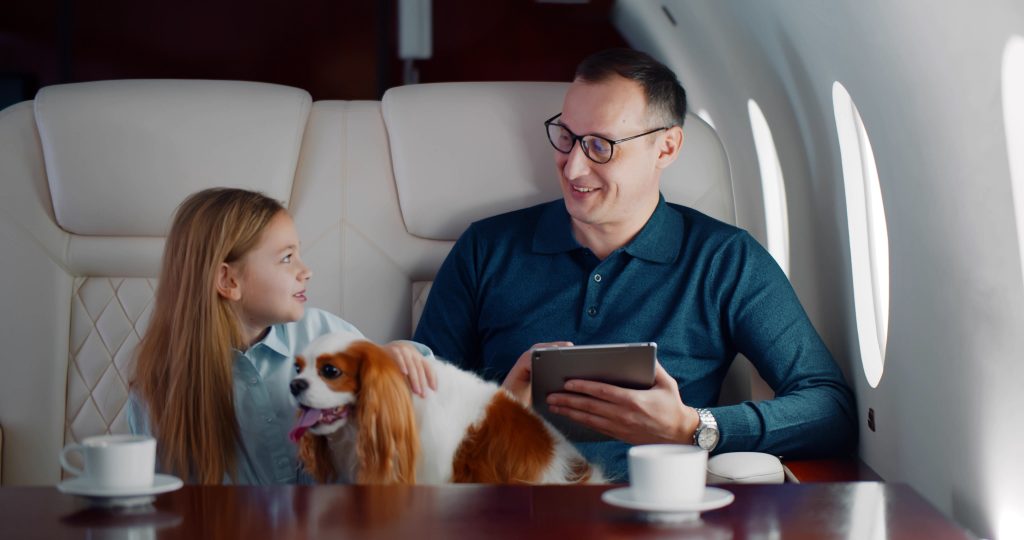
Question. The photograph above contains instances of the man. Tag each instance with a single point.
(613, 262)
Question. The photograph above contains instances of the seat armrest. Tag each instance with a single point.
(745, 468)
(849, 469)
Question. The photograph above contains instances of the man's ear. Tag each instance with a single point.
(227, 283)
(669, 145)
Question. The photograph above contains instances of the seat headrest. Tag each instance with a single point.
(465, 151)
(121, 155)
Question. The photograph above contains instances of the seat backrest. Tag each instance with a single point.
(451, 140)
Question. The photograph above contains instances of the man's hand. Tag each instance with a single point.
(656, 415)
(413, 365)
(517, 382)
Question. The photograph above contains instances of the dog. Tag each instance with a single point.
(360, 423)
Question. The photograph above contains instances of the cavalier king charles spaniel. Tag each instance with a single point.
(360, 423)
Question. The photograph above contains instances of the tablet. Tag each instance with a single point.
(630, 365)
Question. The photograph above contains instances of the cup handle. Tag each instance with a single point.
(64, 460)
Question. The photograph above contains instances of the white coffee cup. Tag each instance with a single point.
(114, 461)
(667, 474)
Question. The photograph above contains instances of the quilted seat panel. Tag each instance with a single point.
(108, 319)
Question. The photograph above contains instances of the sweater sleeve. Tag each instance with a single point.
(812, 413)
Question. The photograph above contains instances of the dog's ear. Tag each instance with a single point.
(315, 456)
(388, 444)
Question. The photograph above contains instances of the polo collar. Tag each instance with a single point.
(661, 238)
(554, 230)
(659, 241)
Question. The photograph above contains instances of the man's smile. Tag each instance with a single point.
(582, 189)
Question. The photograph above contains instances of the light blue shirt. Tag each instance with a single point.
(263, 404)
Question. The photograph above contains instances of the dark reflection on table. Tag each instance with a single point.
(841, 510)
(368, 509)
(549, 506)
(229, 512)
(133, 523)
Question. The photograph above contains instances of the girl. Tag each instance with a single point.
(211, 379)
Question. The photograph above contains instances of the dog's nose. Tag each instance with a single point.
(298, 386)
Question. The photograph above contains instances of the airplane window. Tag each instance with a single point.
(773, 187)
(706, 116)
(869, 235)
(1013, 122)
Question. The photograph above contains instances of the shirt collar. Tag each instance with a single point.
(658, 241)
(274, 340)
(661, 238)
(554, 230)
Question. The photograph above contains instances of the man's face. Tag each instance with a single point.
(622, 193)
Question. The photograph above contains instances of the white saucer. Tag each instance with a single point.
(105, 496)
(669, 513)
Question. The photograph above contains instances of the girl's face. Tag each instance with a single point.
(271, 278)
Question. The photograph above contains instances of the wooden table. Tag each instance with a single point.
(817, 510)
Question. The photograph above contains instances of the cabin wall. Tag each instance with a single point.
(926, 78)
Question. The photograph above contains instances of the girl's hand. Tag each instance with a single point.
(414, 365)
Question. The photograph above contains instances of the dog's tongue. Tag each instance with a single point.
(308, 418)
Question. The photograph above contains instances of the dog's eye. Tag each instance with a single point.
(330, 372)
(298, 368)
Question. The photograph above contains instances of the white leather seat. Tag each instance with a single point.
(91, 174)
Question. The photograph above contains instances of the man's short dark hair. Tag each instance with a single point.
(666, 98)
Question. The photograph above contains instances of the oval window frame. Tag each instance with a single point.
(868, 234)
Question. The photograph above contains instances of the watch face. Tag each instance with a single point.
(708, 438)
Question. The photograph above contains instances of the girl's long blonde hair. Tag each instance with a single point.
(184, 362)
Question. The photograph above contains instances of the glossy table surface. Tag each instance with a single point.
(830, 470)
(816, 510)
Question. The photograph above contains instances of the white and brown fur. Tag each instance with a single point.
(468, 430)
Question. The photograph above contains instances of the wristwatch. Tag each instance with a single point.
(706, 435)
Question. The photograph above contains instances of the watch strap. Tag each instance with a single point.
(707, 422)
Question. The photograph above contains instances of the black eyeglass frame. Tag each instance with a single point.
(586, 151)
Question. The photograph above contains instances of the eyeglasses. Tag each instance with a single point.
(597, 148)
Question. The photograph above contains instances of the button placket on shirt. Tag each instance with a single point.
(281, 460)
(260, 398)
(283, 470)
(593, 296)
